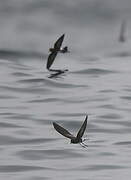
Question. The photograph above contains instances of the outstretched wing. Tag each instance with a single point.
(82, 129)
(63, 131)
(58, 43)
(51, 59)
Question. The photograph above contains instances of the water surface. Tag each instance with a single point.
(98, 84)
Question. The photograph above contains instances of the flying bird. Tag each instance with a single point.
(54, 51)
(122, 36)
(74, 139)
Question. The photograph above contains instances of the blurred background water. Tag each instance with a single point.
(98, 83)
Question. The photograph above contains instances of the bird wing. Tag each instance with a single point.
(58, 43)
(82, 129)
(62, 131)
(51, 59)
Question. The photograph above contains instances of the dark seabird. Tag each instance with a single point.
(74, 139)
(54, 51)
(122, 36)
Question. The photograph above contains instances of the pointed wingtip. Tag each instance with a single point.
(86, 117)
(85, 121)
(47, 67)
(54, 123)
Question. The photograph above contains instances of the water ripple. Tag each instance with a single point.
(48, 154)
(95, 71)
(24, 90)
(8, 140)
(126, 98)
(9, 125)
(123, 143)
(19, 168)
(103, 167)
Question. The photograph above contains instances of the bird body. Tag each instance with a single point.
(61, 50)
(76, 140)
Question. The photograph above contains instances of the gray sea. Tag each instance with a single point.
(98, 84)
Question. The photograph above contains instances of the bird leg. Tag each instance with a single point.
(85, 139)
(83, 145)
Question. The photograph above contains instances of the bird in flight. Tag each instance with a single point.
(74, 139)
(122, 36)
(54, 51)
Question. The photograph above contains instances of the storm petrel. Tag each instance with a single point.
(122, 36)
(74, 139)
(54, 51)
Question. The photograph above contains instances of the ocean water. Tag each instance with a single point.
(98, 84)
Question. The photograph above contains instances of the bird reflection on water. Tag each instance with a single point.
(58, 72)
